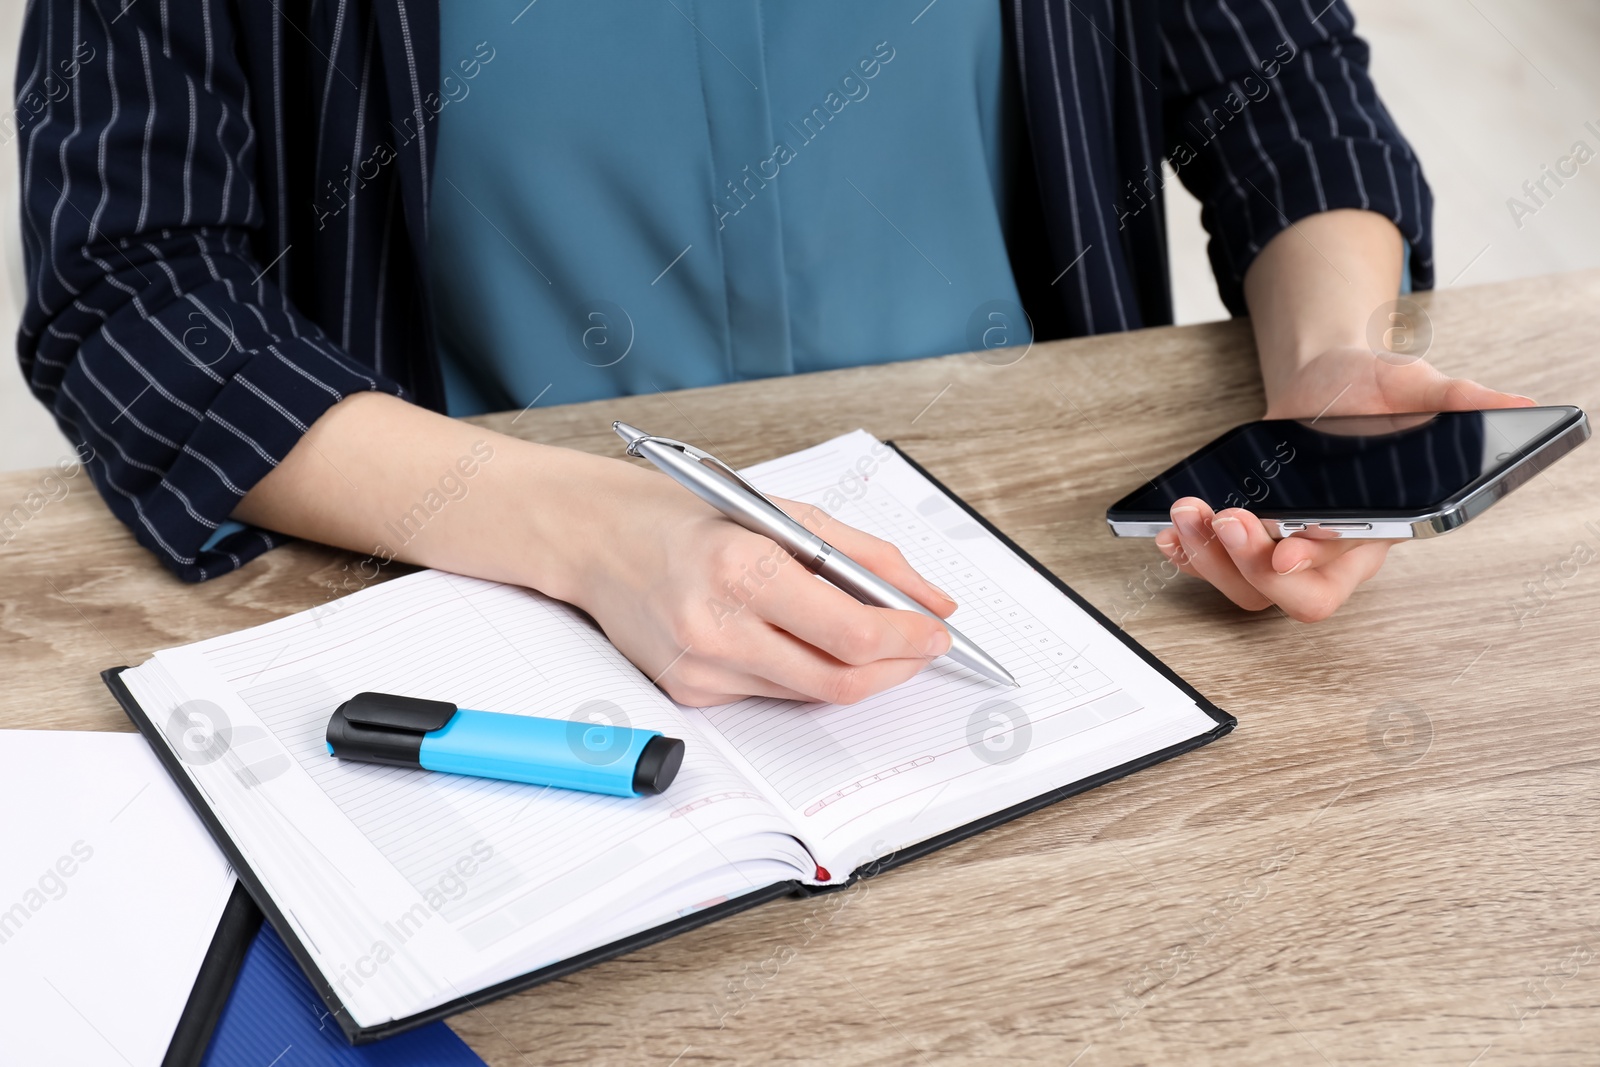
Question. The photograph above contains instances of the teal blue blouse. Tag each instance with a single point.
(685, 192)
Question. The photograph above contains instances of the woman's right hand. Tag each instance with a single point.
(712, 612)
(706, 609)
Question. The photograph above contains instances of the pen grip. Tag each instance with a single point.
(866, 586)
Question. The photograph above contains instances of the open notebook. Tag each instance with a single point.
(403, 892)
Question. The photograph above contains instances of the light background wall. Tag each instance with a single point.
(1488, 91)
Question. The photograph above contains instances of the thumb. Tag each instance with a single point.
(1420, 386)
(1463, 394)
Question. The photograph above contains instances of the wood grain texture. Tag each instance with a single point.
(1392, 860)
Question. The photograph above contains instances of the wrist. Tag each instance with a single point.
(1315, 288)
(1324, 382)
(573, 507)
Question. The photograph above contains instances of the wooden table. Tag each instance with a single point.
(1393, 860)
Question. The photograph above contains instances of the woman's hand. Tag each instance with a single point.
(708, 610)
(1308, 578)
(712, 612)
(1357, 381)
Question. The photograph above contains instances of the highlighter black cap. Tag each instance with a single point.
(381, 728)
(658, 765)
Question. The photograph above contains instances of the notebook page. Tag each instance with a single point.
(463, 880)
(947, 747)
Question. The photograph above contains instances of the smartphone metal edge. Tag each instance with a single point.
(1447, 517)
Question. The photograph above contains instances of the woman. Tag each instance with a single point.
(270, 245)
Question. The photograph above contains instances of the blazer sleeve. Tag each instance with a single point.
(1270, 116)
(152, 331)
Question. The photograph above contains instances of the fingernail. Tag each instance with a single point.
(1187, 519)
(1231, 532)
(937, 643)
(1529, 399)
(1297, 568)
(942, 593)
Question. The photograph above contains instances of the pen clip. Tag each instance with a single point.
(706, 459)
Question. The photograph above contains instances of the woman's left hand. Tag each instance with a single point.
(1308, 578)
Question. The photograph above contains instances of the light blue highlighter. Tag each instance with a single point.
(435, 735)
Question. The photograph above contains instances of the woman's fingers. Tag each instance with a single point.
(1171, 546)
(773, 663)
(1309, 592)
(1289, 555)
(875, 554)
(780, 631)
(1206, 557)
(1308, 578)
(1294, 554)
(833, 621)
(722, 687)
(1467, 395)
(1420, 386)
(805, 669)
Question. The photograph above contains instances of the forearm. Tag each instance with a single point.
(695, 601)
(1315, 287)
(378, 475)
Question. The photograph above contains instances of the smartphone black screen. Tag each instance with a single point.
(1405, 464)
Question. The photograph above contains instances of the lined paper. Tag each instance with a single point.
(505, 872)
(937, 747)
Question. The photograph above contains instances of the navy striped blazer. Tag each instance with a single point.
(225, 206)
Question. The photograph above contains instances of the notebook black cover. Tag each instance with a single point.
(359, 1035)
(240, 921)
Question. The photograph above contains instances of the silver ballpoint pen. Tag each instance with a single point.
(721, 486)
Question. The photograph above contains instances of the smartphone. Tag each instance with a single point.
(1378, 476)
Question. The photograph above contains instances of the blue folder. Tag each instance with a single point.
(274, 1017)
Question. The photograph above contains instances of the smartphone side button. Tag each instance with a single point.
(1291, 527)
(1344, 527)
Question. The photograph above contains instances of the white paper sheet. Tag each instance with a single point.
(110, 894)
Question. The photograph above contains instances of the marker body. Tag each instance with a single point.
(435, 735)
(517, 748)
